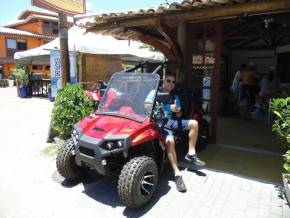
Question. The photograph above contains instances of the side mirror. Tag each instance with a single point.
(163, 97)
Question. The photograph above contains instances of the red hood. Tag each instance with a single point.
(98, 126)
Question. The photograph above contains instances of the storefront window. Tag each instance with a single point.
(17, 44)
(11, 43)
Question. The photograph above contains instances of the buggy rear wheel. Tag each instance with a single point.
(65, 161)
(138, 181)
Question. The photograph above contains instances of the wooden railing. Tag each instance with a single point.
(39, 87)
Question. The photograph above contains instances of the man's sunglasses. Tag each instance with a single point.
(171, 81)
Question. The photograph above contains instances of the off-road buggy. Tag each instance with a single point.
(122, 138)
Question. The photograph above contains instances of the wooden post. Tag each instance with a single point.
(182, 39)
(64, 54)
(215, 84)
(184, 76)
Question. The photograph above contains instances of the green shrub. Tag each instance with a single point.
(281, 108)
(21, 75)
(70, 106)
(286, 165)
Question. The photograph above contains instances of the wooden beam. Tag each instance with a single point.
(162, 47)
(210, 13)
(247, 41)
(255, 48)
(239, 28)
(241, 37)
(264, 35)
(166, 32)
(145, 33)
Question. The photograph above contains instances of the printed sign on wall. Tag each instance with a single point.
(55, 70)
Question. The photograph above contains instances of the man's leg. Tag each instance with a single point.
(191, 156)
(171, 153)
(192, 135)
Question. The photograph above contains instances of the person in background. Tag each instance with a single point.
(235, 87)
(248, 91)
(270, 88)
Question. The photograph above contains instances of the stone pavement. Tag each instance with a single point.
(30, 186)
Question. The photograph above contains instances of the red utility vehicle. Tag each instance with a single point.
(121, 138)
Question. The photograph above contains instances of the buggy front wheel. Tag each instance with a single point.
(65, 161)
(138, 181)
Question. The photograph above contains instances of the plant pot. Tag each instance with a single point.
(11, 83)
(23, 92)
(51, 99)
(286, 182)
(29, 90)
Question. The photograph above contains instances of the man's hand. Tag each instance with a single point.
(174, 107)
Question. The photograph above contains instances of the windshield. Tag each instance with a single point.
(126, 93)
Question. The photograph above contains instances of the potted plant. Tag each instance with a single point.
(49, 93)
(21, 74)
(281, 125)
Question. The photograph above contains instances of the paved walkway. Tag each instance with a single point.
(30, 186)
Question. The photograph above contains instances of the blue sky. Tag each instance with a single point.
(10, 9)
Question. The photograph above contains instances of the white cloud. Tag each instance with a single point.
(89, 8)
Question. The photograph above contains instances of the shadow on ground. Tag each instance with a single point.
(163, 189)
(104, 190)
(244, 163)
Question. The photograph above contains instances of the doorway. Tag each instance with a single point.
(255, 40)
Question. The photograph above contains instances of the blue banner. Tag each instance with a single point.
(55, 70)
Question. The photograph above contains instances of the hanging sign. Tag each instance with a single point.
(69, 7)
(55, 70)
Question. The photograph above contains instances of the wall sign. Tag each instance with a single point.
(55, 70)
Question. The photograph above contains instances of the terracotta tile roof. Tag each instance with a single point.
(19, 22)
(33, 17)
(10, 31)
(24, 14)
(187, 5)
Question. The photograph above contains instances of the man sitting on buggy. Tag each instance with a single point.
(170, 126)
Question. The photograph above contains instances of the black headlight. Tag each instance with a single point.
(75, 135)
(111, 145)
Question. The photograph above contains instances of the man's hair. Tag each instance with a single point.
(243, 66)
(247, 68)
(170, 73)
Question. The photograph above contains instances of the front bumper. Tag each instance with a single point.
(90, 153)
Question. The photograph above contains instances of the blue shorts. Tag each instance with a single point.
(173, 125)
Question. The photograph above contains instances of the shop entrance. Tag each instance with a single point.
(261, 43)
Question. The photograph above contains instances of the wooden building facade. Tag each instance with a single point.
(197, 33)
(32, 29)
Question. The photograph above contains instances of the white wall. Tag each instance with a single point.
(262, 58)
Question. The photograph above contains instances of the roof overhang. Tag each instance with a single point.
(158, 27)
(207, 10)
